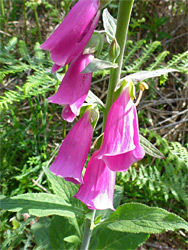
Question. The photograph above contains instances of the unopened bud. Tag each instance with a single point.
(114, 50)
(143, 86)
(103, 3)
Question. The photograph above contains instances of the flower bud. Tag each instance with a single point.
(143, 86)
(114, 50)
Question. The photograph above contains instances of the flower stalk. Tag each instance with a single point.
(124, 13)
(87, 232)
(37, 23)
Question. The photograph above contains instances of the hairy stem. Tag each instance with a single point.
(87, 232)
(124, 13)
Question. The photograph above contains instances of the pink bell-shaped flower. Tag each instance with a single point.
(73, 152)
(72, 35)
(121, 147)
(73, 88)
(98, 188)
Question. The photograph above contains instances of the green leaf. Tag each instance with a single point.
(97, 64)
(111, 240)
(109, 25)
(149, 148)
(142, 75)
(139, 218)
(63, 188)
(72, 239)
(40, 231)
(93, 99)
(95, 44)
(40, 204)
(94, 116)
(60, 230)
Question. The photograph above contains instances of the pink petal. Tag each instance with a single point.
(73, 152)
(98, 188)
(55, 68)
(122, 162)
(68, 115)
(119, 132)
(72, 35)
(74, 86)
(120, 147)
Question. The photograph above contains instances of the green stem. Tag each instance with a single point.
(2, 9)
(87, 232)
(37, 23)
(124, 13)
(55, 4)
(25, 22)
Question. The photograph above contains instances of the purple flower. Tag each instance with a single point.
(72, 35)
(98, 188)
(73, 152)
(74, 88)
(121, 147)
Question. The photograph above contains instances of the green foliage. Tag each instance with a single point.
(38, 83)
(147, 52)
(159, 179)
(40, 204)
(62, 234)
(111, 240)
(153, 26)
(180, 62)
(131, 50)
(17, 235)
(41, 233)
(139, 218)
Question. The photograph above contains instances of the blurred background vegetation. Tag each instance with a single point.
(31, 128)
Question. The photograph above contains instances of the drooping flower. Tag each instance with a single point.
(72, 35)
(98, 188)
(73, 152)
(121, 147)
(73, 88)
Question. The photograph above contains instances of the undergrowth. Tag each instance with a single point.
(154, 180)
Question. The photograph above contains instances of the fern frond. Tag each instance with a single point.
(24, 51)
(12, 69)
(180, 153)
(146, 54)
(38, 79)
(11, 44)
(37, 84)
(158, 60)
(39, 54)
(177, 58)
(131, 53)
